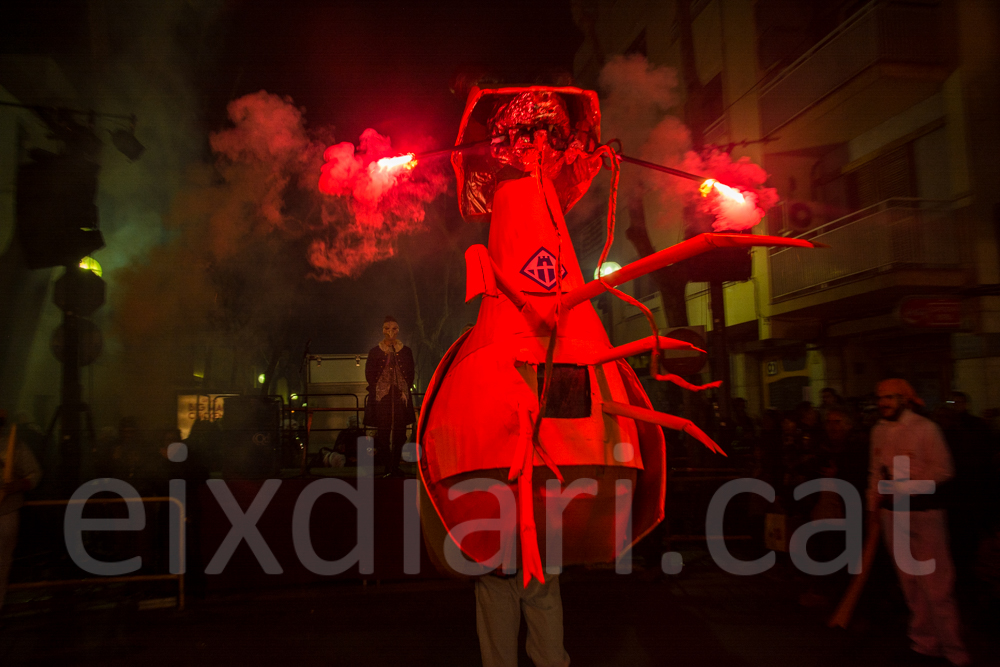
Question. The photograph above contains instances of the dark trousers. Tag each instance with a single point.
(388, 454)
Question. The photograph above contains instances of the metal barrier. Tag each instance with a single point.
(310, 410)
(113, 580)
(357, 410)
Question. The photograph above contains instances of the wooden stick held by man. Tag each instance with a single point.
(841, 617)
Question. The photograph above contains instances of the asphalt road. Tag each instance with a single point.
(701, 616)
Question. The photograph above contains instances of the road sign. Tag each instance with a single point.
(91, 342)
(931, 312)
(685, 362)
(80, 291)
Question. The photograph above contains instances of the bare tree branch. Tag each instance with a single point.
(446, 312)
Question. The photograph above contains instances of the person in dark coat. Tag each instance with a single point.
(389, 406)
(970, 442)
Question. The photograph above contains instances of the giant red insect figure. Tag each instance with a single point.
(537, 441)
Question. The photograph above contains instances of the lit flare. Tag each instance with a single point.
(731, 193)
(389, 164)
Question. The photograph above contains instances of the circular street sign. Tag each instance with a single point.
(80, 291)
(685, 362)
(90, 339)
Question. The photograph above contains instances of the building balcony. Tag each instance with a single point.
(888, 57)
(894, 247)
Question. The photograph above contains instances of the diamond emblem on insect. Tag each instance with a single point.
(542, 268)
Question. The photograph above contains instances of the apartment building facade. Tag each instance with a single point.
(876, 122)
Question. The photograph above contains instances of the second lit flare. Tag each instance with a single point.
(734, 210)
(730, 193)
(390, 164)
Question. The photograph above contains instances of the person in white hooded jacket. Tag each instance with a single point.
(909, 458)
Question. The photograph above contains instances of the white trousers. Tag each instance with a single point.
(499, 603)
(935, 628)
(8, 538)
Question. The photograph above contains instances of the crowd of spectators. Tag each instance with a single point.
(787, 448)
(783, 448)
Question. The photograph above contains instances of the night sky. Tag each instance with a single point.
(347, 65)
(386, 65)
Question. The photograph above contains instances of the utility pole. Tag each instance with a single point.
(71, 391)
(78, 293)
(57, 225)
(719, 357)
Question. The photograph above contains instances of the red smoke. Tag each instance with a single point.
(639, 106)
(732, 213)
(372, 201)
(229, 273)
(365, 204)
(265, 151)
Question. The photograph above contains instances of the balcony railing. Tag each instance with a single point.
(881, 33)
(894, 234)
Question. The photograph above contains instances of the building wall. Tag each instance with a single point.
(974, 97)
(947, 132)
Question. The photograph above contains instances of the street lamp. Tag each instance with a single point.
(92, 265)
(57, 225)
(605, 269)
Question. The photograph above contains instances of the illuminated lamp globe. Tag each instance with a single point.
(93, 265)
(261, 378)
(294, 397)
(606, 268)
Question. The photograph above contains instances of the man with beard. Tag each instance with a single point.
(914, 526)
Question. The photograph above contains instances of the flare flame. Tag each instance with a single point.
(730, 193)
(389, 164)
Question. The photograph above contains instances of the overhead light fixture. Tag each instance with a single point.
(61, 121)
(92, 264)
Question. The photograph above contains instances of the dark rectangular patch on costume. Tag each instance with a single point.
(569, 396)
